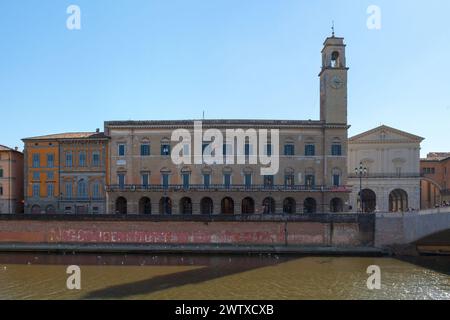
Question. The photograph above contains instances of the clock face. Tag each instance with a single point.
(336, 82)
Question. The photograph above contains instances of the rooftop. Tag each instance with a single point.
(69, 136)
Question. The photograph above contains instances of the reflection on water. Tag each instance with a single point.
(24, 276)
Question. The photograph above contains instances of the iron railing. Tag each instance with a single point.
(221, 187)
(387, 175)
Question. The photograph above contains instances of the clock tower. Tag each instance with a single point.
(333, 82)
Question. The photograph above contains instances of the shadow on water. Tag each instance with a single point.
(218, 267)
(439, 264)
(210, 267)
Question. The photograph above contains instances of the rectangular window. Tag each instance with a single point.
(336, 150)
(69, 159)
(68, 190)
(227, 180)
(247, 149)
(145, 179)
(206, 147)
(96, 191)
(398, 171)
(336, 180)
(50, 175)
(186, 177)
(1, 190)
(186, 150)
(310, 150)
(121, 180)
(82, 162)
(36, 190)
(268, 181)
(145, 150)
(289, 150)
(50, 161)
(165, 180)
(206, 180)
(50, 190)
(289, 180)
(96, 159)
(309, 180)
(268, 150)
(121, 150)
(1, 173)
(36, 176)
(36, 160)
(248, 180)
(165, 149)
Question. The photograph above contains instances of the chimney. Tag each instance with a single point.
(97, 130)
(16, 148)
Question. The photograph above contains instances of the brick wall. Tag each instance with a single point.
(187, 232)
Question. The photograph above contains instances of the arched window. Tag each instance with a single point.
(50, 209)
(269, 205)
(36, 209)
(398, 201)
(248, 206)
(206, 206)
(121, 205)
(145, 206)
(336, 205)
(289, 206)
(310, 205)
(227, 206)
(335, 63)
(186, 206)
(165, 205)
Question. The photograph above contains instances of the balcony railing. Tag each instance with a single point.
(221, 187)
(82, 199)
(386, 175)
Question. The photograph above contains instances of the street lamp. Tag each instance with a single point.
(361, 172)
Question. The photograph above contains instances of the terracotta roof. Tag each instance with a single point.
(437, 156)
(70, 135)
(5, 148)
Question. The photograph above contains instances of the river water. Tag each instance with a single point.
(26, 276)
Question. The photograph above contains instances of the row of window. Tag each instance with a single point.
(289, 180)
(81, 190)
(37, 160)
(82, 160)
(37, 175)
(429, 170)
(95, 161)
(289, 149)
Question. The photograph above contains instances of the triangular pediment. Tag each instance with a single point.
(385, 134)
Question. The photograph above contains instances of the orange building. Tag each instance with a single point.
(66, 173)
(11, 180)
(435, 184)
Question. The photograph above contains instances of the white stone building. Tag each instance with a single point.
(391, 181)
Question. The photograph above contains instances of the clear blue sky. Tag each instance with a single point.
(143, 59)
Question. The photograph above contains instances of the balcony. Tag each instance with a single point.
(386, 175)
(82, 199)
(221, 187)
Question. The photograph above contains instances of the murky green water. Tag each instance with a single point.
(221, 277)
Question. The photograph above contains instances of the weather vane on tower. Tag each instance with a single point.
(332, 29)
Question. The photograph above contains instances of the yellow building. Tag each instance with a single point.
(65, 173)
